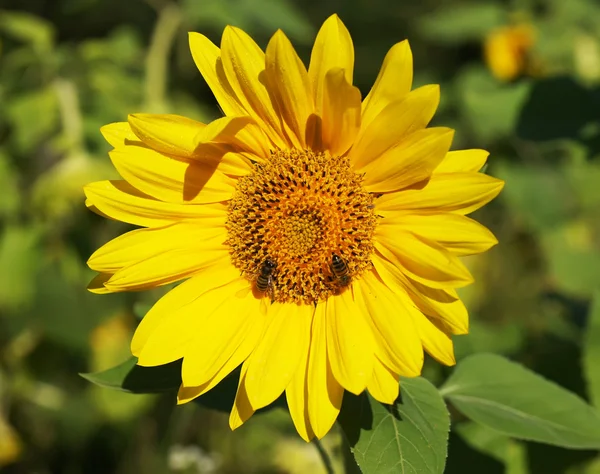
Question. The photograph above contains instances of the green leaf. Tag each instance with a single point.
(249, 15)
(61, 308)
(132, 378)
(573, 262)
(583, 177)
(509, 452)
(503, 337)
(513, 400)
(539, 195)
(282, 14)
(492, 109)
(410, 436)
(558, 107)
(591, 352)
(28, 28)
(11, 194)
(129, 377)
(20, 252)
(34, 116)
(459, 23)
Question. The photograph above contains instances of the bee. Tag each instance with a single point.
(264, 281)
(339, 269)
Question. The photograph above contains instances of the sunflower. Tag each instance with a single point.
(318, 234)
(508, 51)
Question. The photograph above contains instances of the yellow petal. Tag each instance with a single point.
(290, 86)
(423, 260)
(457, 234)
(170, 179)
(314, 132)
(141, 244)
(167, 133)
(223, 332)
(172, 333)
(395, 121)
(444, 305)
(324, 391)
(225, 158)
(463, 161)
(97, 287)
(240, 354)
(437, 343)
(173, 264)
(207, 57)
(95, 210)
(450, 314)
(384, 385)
(274, 361)
(341, 112)
(410, 162)
(179, 297)
(431, 334)
(296, 395)
(397, 340)
(210, 145)
(169, 266)
(252, 139)
(393, 82)
(244, 65)
(241, 410)
(121, 201)
(461, 193)
(222, 130)
(350, 343)
(333, 48)
(118, 134)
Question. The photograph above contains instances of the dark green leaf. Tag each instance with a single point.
(28, 28)
(509, 452)
(503, 338)
(540, 196)
(558, 107)
(63, 310)
(410, 436)
(573, 265)
(129, 377)
(34, 115)
(221, 397)
(460, 23)
(19, 251)
(491, 108)
(515, 401)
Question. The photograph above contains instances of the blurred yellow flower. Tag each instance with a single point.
(507, 50)
(11, 445)
(318, 233)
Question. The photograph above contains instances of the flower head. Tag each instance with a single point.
(318, 234)
(507, 50)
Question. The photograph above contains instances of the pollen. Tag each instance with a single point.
(298, 209)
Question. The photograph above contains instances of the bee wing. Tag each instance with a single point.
(264, 306)
(243, 292)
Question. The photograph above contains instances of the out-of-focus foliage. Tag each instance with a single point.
(68, 67)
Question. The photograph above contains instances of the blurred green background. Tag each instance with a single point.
(519, 78)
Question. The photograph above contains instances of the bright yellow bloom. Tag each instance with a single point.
(507, 50)
(300, 172)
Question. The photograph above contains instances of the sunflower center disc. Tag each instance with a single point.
(298, 209)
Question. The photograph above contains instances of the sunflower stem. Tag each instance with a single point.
(163, 36)
(324, 456)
